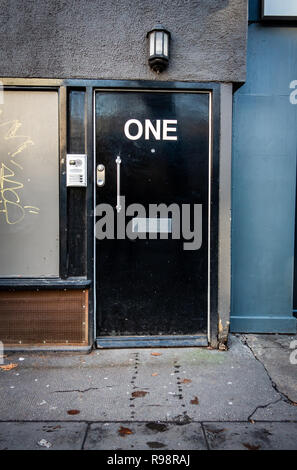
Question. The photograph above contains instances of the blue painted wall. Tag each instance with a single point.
(264, 184)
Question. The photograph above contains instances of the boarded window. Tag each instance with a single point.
(29, 184)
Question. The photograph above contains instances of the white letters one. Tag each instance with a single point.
(127, 130)
(149, 127)
(167, 129)
(169, 126)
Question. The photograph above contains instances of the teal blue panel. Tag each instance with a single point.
(254, 10)
(264, 324)
(271, 60)
(264, 185)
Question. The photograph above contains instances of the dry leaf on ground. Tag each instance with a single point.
(73, 412)
(8, 366)
(156, 354)
(139, 393)
(217, 431)
(44, 443)
(154, 374)
(186, 381)
(195, 401)
(124, 431)
(251, 446)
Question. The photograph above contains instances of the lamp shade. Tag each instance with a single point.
(158, 39)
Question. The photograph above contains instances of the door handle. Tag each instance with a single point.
(118, 163)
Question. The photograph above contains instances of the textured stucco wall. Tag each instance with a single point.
(107, 38)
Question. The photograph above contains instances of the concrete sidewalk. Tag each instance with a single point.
(185, 398)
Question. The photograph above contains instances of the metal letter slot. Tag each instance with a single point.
(151, 225)
(100, 175)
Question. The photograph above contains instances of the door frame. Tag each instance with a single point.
(213, 217)
(220, 267)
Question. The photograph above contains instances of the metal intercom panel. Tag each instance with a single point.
(76, 165)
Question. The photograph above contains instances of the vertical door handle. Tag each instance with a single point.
(118, 163)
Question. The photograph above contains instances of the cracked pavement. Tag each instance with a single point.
(175, 398)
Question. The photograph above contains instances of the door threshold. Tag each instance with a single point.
(113, 342)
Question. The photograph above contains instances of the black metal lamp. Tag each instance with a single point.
(158, 48)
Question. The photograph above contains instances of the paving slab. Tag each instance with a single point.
(145, 436)
(247, 436)
(278, 355)
(42, 436)
(176, 384)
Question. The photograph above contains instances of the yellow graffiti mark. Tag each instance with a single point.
(10, 197)
(10, 202)
(32, 209)
(9, 130)
(12, 207)
(17, 164)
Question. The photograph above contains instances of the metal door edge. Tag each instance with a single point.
(173, 341)
(113, 342)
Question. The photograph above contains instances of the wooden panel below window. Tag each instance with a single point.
(46, 317)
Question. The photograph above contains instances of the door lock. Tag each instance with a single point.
(100, 175)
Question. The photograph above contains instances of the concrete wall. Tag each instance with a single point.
(264, 184)
(107, 38)
(224, 287)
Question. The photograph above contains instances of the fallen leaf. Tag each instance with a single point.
(251, 446)
(216, 431)
(186, 381)
(73, 412)
(8, 366)
(124, 431)
(44, 443)
(51, 428)
(156, 354)
(156, 445)
(195, 401)
(139, 393)
(252, 421)
(154, 374)
(157, 426)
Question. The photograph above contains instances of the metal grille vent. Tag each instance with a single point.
(44, 317)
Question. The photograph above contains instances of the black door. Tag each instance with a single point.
(152, 148)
